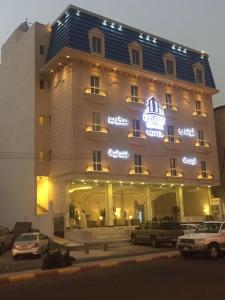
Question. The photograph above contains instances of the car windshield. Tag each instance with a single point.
(170, 226)
(27, 238)
(208, 228)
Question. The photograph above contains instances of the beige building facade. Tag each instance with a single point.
(84, 131)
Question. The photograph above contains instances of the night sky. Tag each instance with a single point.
(199, 24)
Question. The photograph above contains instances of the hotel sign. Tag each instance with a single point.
(118, 121)
(190, 161)
(118, 154)
(154, 118)
(191, 132)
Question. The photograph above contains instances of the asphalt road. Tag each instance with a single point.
(193, 279)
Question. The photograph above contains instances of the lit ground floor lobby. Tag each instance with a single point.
(128, 203)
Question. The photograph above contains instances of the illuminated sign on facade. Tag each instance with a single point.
(190, 161)
(118, 121)
(154, 118)
(191, 132)
(118, 154)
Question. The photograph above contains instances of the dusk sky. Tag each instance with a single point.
(198, 24)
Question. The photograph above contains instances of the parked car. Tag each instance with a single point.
(189, 228)
(157, 232)
(6, 239)
(209, 238)
(34, 243)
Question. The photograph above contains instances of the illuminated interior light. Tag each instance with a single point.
(100, 218)
(120, 28)
(112, 25)
(142, 183)
(148, 38)
(82, 180)
(163, 184)
(78, 13)
(121, 182)
(130, 217)
(154, 40)
(182, 184)
(132, 183)
(174, 47)
(209, 186)
(104, 23)
(172, 184)
(107, 181)
(96, 181)
(115, 69)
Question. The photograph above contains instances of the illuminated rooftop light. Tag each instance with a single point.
(179, 49)
(120, 28)
(141, 36)
(174, 47)
(185, 51)
(78, 13)
(148, 38)
(59, 22)
(154, 40)
(104, 23)
(112, 25)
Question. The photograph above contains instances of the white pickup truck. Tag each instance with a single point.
(208, 238)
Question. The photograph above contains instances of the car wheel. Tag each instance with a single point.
(154, 242)
(186, 254)
(213, 251)
(133, 240)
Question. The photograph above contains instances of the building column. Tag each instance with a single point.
(180, 202)
(67, 207)
(109, 205)
(148, 204)
(122, 207)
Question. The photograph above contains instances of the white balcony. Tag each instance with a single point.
(102, 169)
(134, 171)
(95, 132)
(174, 173)
(135, 103)
(96, 95)
(137, 138)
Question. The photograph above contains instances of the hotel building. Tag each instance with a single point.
(105, 118)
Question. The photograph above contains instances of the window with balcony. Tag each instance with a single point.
(136, 128)
(203, 169)
(97, 42)
(201, 138)
(135, 53)
(170, 133)
(200, 143)
(168, 101)
(169, 64)
(134, 93)
(95, 82)
(97, 161)
(96, 121)
(198, 109)
(138, 163)
(173, 170)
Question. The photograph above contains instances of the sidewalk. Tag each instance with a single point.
(80, 267)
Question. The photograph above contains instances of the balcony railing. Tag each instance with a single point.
(174, 173)
(171, 139)
(172, 107)
(98, 169)
(96, 128)
(135, 100)
(137, 135)
(202, 144)
(205, 176)
(95, 91)
(199, 113)
(139, 171)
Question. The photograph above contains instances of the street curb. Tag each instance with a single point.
(25, 276)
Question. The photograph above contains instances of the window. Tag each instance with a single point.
(41, 154)
(41, 120)
(96, 42)
(49, 120)
(135, 57)
(135, 53)
(173, 167)
(42, 50)
(198, 105)
(199, 73)
(95, 84)
(201, 138)
(169, 67)
(96, 121)
(168, 101)
(42, 84)
(170, 133)
(134, 93)
(169, 64)
(96, 45)
(203, 169)
(97, 163)
(138, 163)
(136, 128)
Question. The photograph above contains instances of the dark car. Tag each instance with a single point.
(157, 232)
(6, 239)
